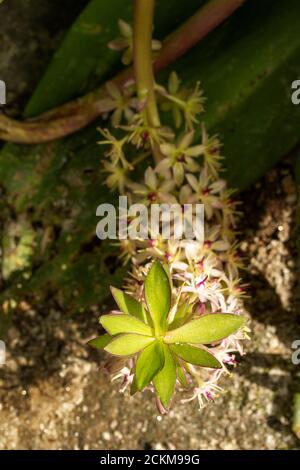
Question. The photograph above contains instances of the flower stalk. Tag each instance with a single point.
(179, 319)
(77, 114)
(142, 50)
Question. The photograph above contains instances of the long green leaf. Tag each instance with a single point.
(196, 356)
(116, 324)
(207, 329)
(149, 363)
(127, 345)
(158, 295)
(246, 68)
(164, 381)
(100, 342)
(84, 58)
(128, 304)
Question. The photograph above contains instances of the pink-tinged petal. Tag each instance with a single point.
(118, 44)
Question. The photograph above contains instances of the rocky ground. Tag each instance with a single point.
(53, 394)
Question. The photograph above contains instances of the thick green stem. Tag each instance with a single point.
(142, 50)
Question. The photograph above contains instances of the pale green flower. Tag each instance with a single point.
(154, 190)
(212, 155)
(206, 191)
(182, 102)
(180, 157)
(141, 135)
(123, 103)
(117, 178)
(125, 42)
(115, 152)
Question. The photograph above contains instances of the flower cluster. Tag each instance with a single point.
(181, 164)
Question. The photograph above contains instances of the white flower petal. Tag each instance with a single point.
(151, 178)
(193, 182)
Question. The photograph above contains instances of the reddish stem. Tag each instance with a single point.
(77, 114)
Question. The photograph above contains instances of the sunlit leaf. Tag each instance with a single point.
(158, 295)
(196, 356)
(127, 345)
(207, 329)
(165, 380)
(128, 304)
(119, 323)
(101, 342)
(149, 363)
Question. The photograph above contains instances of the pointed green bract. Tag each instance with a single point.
(181, 315)
(164, 381)
(149, 363)
(166, 267)
(181, 376)
(207, 329)
(158, 296)
(128, 304)
(127, 345)
(116, 324)
(100, 342)
(196, 356)
(133, 388)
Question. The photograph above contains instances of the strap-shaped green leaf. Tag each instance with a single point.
(207, 329)
(149, 363)
(164, 381)
(128, 304)
(196, 356)
(116, 324)
(127, 345)
(158, 296)
(101, 342)
(84, 58)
